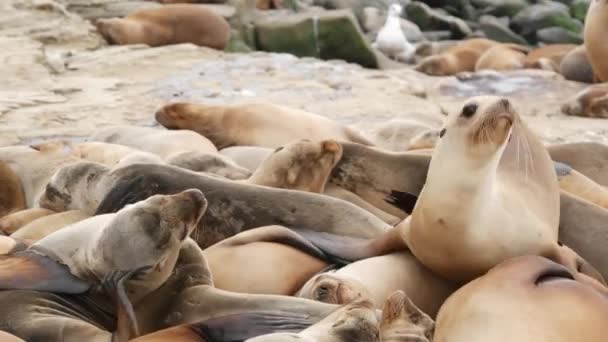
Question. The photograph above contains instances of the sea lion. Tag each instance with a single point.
(403, 321)
(503, 202)
(503, 57)
(461, 57)
(43, 226)
(578, 184)
(169, 24)
(595, 38)
(355, 322)
(234, 207)
(34, 165)
(590, 102)
(165, 143)
(575, 66)
(249, 157)
(13, 222)
(212, 163)
(377, 278)
(12, 197)
(391, 40)
(348, 196)
(6, 337)
(254, 124)
(500, 305)
(548, 57)
(588, 158)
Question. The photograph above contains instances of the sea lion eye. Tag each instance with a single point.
(442, 133)
(469, 110)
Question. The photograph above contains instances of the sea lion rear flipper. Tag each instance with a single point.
(236, 327)
(114, 285)
(29, 270)
(402, 200)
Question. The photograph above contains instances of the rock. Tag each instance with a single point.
(332, 34)
(496, 29)
(237, 44)
(558, 35)
(429, 19)
(374, 19)
(436, 36)
(499, 8)
(578, 9)
(539, 16)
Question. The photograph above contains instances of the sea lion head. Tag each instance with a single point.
(437, 65)
(501, 305)
(333, 288)
(147, 232)
(177, 115)
(403, 321)
(71, 187)
(481, 128)
(302, 165)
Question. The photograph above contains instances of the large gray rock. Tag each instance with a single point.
(496, 29)
(543, 15)
(333, 34)
(578, 9)
(558, 35)
(429, 19)
(501, 8)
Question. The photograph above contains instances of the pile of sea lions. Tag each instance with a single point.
(259, 222)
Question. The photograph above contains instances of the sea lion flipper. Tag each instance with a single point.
(114, 285)
(402, 200)
(33, 271)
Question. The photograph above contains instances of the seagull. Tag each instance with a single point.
(391, 41)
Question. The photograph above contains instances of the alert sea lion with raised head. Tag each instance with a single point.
(376, 278)
(596, 42)
(461, 57)
(169, 24)
(164, 143)
(157, 228)
(500, 305)
(253, 124)
(503, 202)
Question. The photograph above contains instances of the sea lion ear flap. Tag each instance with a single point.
(399, 305)
(402, 200)
(33, 271)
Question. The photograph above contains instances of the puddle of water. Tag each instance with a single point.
(495, 84)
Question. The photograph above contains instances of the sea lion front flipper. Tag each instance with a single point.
(402, 200)
(236, 327)
(114, 285)
(29, 270)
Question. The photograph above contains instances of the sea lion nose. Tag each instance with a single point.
(505, 102)
(196, 196)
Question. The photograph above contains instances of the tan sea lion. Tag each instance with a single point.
(169, 24)
(590, 102)
(377, 278)
(578, 184)
(588, 158)
(284, 261)
(13, 222)
(157, 227)
(503, 202)
(234, 206)
(12, 197)
(503, 57)
(6, 337)
(500, 305)
(34, 165)
(212, 163)
(257, 124)
(461, 57)
(165, 143)
(548, 57)
(403, 321)
(355, 322)
(113, 155)
(43, 226)
(596, 41)
(575, 66)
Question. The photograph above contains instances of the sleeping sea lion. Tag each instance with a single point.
(12, 197)
(403, 321)
(43, 226)
(13, 222)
